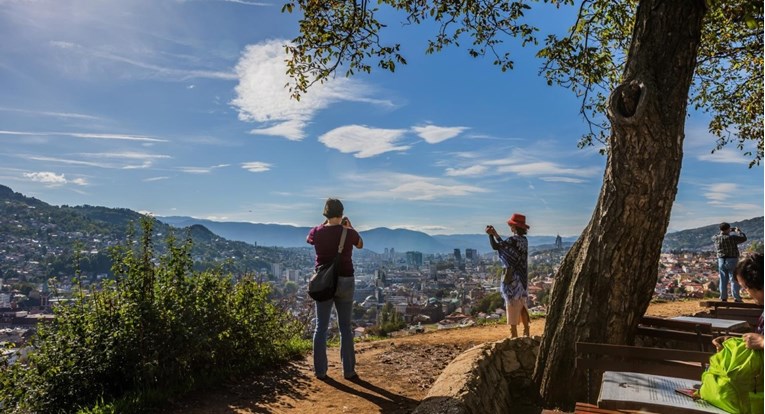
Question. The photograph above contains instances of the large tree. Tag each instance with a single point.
(636, 65)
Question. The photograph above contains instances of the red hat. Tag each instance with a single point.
(518, 220)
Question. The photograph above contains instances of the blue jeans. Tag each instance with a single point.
(343, 302)
(727, 266)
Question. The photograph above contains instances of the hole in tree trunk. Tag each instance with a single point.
(628, 99)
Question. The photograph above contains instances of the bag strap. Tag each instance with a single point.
(342, 241)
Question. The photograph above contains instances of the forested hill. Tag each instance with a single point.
(701, 238)
(38, 240)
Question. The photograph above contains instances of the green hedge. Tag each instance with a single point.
(159, 329)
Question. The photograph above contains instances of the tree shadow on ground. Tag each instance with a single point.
(387, 401)
(250, 393)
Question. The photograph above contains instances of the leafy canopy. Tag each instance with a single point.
(590, 60)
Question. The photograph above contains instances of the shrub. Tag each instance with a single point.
(160, 328)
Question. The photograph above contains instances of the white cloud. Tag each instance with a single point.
(131, 155)
(244, 2)
(720, 192)
(429, 229)
(563, 180)
(248, 3)
(434, 134)
(256, 166)
(726, 155)
(52, 114)
(152, 179)
(146, 158)
(545, 168)
(362, 141)
(202, 170)
(261, 95)
(68, 161)
(158, 71)
(410, 187)
(52, 179)
(466, 172)
(292, 130)
(121, 137)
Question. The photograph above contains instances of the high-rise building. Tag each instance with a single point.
(471, 254)
(276, 270)
(457, 255)
(414, 258)
(558, 242)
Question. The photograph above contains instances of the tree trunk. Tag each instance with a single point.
(607, 279)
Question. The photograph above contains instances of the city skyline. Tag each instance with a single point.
(177, 108)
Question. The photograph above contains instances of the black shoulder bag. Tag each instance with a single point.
(323, 283)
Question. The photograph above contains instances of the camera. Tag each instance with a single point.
(344, 222)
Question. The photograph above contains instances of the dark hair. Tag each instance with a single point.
(333, 208)
(749, 269)
(520, 230)
(724, 226)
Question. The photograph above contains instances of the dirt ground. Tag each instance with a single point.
(395, 374)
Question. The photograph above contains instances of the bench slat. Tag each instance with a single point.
(720, 304)
(675, 369)
(704, 328)
(627, 351)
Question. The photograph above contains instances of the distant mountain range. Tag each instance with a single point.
(376, 240)
(403, 240)
(27, 218)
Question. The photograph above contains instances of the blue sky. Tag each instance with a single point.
(178, 108)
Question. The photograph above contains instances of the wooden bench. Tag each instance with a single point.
(585, 408)
(657, 361)
(743, 314)
(699, 334)
(717, 304)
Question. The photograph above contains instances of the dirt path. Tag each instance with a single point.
(395, 375)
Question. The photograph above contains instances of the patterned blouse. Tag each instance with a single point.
(513, 252)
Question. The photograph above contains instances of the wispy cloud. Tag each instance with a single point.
(719, 193)
(362, 141)
(248, 3)
(98, 159)
(726, 156)
(244, 2)
(410, 187)
(466, 172)
(124, 155)
(256, 166)
(69, 161)
(155, 70)
(52, 114)
(202, 170)
(433, 134)
(152, 179)
(520, 163)
(429, 229)
(546, 168)
(261, 96)
(563, 180)
(85, 135)
(52, 179)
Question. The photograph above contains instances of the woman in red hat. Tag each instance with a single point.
(513, 252)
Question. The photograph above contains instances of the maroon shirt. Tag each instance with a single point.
(325, 240)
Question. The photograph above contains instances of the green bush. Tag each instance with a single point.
(489, 303)
(158, 329)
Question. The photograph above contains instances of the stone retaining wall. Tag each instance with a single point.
(494, 377)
